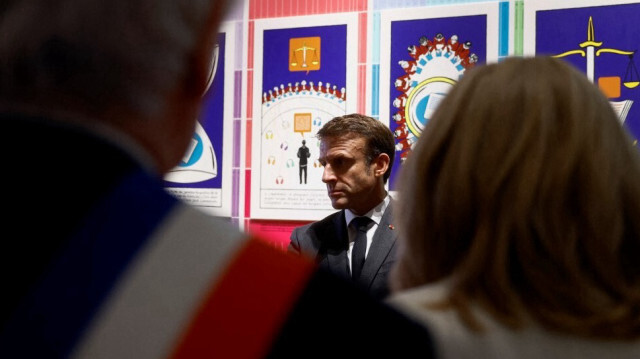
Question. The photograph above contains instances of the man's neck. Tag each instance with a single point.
(376, 199)
(376, 211)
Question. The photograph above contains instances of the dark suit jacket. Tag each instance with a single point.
(327, 240)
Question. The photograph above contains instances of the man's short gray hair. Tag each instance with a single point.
(97, 54)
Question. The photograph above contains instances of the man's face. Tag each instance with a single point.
(351, 182)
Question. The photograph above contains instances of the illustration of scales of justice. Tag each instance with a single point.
(199, 162)
(304, 49)
(588, 49)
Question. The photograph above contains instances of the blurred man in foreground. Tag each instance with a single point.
(98, 99)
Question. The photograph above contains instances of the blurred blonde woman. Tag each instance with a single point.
(520, 218)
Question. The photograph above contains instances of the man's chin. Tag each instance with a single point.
(339, 203)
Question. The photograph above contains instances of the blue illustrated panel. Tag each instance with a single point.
(420, 78)
(277, 57)
(208, 147)
(615, 34)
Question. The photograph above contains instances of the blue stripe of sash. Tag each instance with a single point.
(54, 315)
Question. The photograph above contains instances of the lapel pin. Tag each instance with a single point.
(391, 227)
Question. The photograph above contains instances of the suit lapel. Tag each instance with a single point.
(383, 241)
(337, 254)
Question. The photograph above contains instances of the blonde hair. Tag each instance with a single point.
(524, 190)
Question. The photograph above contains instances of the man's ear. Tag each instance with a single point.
(381, 164)
(201, 58)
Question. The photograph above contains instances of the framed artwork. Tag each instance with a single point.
(304, 75)
(203, 177)
(600, 38)
(423, 53)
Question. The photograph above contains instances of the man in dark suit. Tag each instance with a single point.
(303, 155)
(357, 154)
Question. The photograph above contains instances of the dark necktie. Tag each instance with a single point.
(361, 224)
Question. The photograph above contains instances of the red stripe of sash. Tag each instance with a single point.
(245, 309)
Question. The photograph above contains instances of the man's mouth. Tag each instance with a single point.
(335, 192)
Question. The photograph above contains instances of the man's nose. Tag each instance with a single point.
(327, 174)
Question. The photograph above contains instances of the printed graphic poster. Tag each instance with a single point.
(303, 77)
(600, 38)
(203, 177)
(424, 53)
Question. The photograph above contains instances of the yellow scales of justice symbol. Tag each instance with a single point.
(590, 46)
(610, 86)
(306, 49)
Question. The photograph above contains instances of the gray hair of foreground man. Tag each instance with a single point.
(524, 192)
(379, 138)
(98, 55)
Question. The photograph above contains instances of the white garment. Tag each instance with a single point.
(453, 340)
(154, 301)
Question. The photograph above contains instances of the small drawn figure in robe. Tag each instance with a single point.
(303, 154)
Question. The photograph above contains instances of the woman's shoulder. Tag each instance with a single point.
(453, 339)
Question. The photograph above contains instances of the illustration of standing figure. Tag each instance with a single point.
(303, 154)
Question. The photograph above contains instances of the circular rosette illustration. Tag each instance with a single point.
(431, 69)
